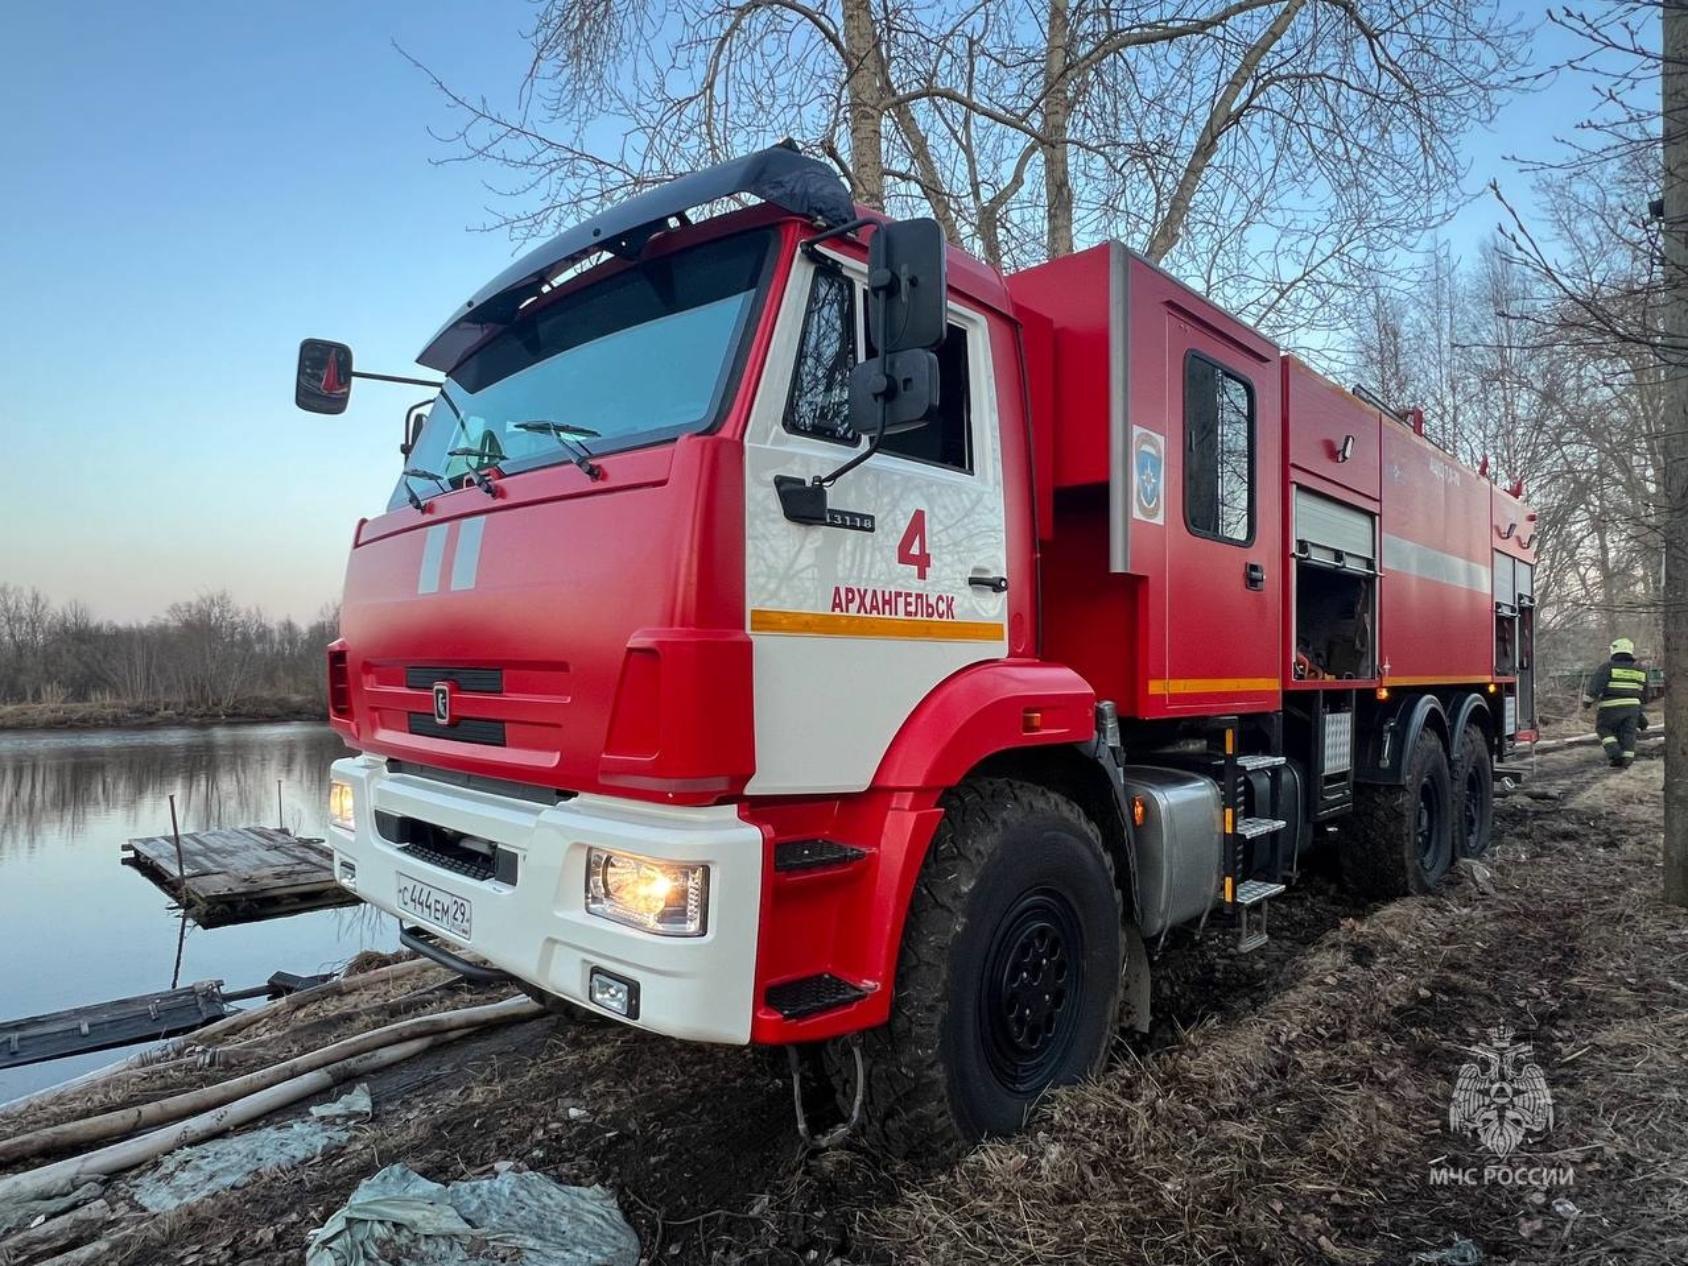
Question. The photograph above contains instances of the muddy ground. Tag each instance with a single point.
(1289, 1106)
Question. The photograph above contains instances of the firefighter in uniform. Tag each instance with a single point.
(1618, 688)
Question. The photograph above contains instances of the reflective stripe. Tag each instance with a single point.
(1620, 703)
(1400, 554)
(1629, 674)
(1608, 741)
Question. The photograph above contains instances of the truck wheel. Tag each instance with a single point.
(1401, 839)
(1474, 794)
(1009, 978)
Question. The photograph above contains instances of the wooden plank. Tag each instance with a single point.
(240, 873)
(143, 1018)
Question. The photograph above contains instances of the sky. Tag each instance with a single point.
(186, 190)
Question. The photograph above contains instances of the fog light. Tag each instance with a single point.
(340, 812)
(348, 871)
(657, 896)
(614, 993)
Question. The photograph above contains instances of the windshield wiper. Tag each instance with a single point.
(474, 472)
(566, 434)
(416, 472)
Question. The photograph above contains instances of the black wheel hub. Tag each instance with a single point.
(1429, 825)
(1473, 810)
(1031, 990)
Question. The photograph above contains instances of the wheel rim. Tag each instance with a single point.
(1429, 826)
(1473, 811)
(1034, 979)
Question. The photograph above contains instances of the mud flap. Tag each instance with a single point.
(1134, 991)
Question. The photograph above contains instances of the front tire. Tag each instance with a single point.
(1009, 978)
(1474, 794)
(1401, 839)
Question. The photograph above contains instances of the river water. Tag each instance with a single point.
(77, 926)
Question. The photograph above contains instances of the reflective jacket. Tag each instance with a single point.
(1618, 683)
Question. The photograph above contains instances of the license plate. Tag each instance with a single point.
(441, 909)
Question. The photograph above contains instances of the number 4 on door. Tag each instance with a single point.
(911, 550)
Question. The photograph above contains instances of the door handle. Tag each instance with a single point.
(996, 584)
(1255, 574)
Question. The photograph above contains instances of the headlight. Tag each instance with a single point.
(656, 896)
(340, 806)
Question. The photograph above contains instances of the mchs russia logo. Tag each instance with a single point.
(1148, 459)
(1501, 1101)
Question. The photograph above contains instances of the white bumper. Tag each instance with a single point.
(690, 987)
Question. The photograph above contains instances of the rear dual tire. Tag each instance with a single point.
(1009, 979)
(1400, 839)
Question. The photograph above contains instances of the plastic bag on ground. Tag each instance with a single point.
(525, 1218)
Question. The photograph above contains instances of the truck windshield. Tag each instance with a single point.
(642, 356)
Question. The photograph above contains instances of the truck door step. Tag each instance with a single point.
(1253, 828)
(1248, 764)
(811, 995)
(1252, 892)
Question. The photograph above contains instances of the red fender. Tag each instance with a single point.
(851, 924)
(982, 710)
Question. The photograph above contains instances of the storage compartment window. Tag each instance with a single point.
(1218, 452)
(1335, 590)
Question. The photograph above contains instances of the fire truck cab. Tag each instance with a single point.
(788, 630)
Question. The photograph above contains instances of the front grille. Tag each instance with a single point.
(468, 730)
(480, 681)
(448, 850)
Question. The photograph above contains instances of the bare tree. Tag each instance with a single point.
(1273, 151)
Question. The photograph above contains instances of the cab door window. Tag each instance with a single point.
(1218, 452)
(833, 340)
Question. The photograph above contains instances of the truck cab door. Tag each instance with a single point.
(854, 622)
(1225, 557)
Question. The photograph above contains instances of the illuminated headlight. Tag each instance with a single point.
(656, 896)
(340, 806)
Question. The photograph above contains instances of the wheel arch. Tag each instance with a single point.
(1469, 708)
(1394, 731)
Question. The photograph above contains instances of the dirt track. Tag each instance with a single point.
(1288, 1106)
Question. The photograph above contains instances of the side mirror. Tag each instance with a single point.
(324, 380)
(907, 383)
(907, 277)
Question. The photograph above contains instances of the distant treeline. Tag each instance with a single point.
(205, 656)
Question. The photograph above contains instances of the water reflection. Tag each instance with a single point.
(81, 928)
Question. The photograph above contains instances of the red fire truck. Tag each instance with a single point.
(788, 630)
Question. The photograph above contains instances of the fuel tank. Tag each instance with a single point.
(570, 633)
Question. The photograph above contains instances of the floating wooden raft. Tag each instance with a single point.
(106, 1024)
(240, 874)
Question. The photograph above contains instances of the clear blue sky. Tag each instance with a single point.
(188, 190)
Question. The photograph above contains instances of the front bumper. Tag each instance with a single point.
(537, 928)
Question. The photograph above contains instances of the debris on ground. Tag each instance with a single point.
(515, 1217)
(192, 1173)
(1462, 1252)
(1286, 1108)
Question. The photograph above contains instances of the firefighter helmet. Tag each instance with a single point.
(1623, 646)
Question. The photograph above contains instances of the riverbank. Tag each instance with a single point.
(115, 715)
(1291, 1105)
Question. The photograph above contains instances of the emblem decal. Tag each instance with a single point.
(1503, 1097)
(1148, 462)
(442, 702)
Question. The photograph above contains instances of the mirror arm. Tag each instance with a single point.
(808, 245)
(414, 382)
(826, 481)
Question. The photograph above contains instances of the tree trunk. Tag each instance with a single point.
(1057, 108)
(1674, 483)
(1219, 118)
(866, 105)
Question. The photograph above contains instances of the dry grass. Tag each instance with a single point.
(1306, 1131)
